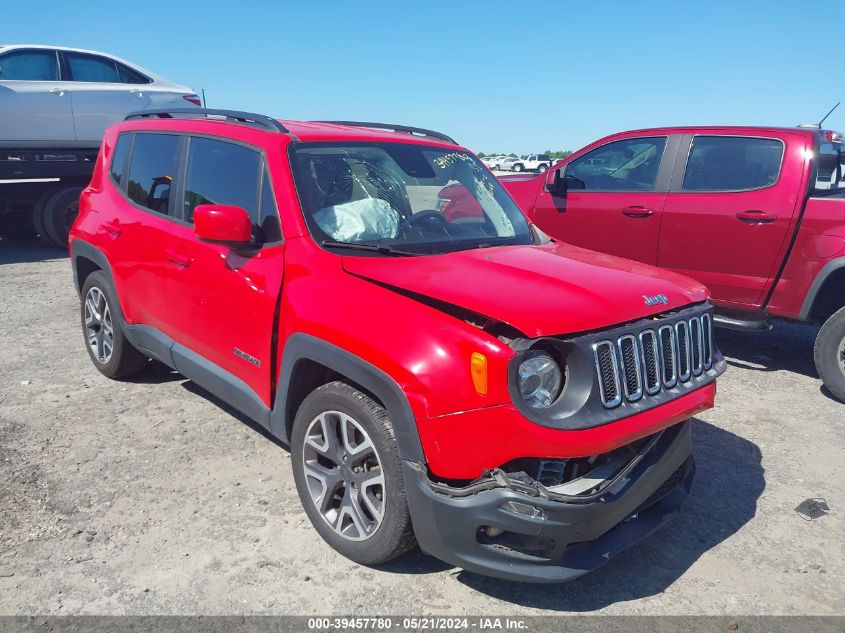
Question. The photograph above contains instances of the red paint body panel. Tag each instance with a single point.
(212, 299)
(754, 268)
(539, 290)
(701, 235)
(820, 240)
(463, 445)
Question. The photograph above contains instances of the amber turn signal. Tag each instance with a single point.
(478, 369)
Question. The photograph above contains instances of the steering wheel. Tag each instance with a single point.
(427, 216)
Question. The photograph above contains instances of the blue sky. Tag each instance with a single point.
(503, 76)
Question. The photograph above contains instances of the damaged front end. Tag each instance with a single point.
(540, 520)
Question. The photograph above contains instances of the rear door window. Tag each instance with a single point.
(220, 172)
(732, 163)
(91, 68)
(627, 165)
(29, 66)
(152, 169)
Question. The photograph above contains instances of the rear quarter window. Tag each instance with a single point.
(732, 163)
(118, 159)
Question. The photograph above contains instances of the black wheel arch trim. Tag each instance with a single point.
(302, 346)
(822, 276)
(80, 248)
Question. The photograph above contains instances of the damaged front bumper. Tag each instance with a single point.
(509, 529)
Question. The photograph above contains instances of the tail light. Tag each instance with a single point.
(443, 204)
(193, 99)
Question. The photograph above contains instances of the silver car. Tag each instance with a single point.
(52, 94)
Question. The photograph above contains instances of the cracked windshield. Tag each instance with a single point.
(397, 198)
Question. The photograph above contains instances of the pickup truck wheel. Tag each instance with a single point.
(830, 354)
(105, 341)
(517, 167)
(38, 214)
(60, 211)
(348, 474)
(542, 168)
(16, 226)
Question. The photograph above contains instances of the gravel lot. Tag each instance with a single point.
(151, 497)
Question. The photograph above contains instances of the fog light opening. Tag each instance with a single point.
(523, 509)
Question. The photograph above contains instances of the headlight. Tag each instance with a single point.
(540, 380)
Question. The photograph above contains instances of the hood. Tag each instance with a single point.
(539, 290)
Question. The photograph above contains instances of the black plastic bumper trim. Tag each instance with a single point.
(585, 536)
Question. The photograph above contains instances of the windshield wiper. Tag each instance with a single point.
(363, 246)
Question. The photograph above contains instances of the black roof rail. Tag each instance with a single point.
(258, 120)
(395, 128)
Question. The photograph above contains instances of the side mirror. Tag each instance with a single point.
(558, 183)
(223, 223)
(555, 181)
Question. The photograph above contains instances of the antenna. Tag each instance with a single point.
(829, 113)
(202, 90)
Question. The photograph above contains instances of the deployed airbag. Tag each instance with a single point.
(362, 220)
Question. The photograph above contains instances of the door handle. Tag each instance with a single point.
(637, 211)
(183, 261)
(57, 91)
(136, 91)
(112, 228)
(754, 216)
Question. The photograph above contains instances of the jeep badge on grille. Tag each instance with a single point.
(655, 299)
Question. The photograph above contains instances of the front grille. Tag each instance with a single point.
(682, 331)
(644, 363)
(651, 361)
(608, 369)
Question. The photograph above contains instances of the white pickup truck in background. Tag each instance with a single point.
(55, 104)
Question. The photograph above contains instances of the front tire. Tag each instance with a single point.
(108, 348)
(829, 354)
(349, 475)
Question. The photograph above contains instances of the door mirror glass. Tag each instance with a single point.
(224, 223)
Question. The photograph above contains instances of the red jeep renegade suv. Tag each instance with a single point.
(517, 407)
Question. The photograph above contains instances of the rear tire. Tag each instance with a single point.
(60, 210)
(542, 168)
(349, 475)
(829, 354)
(112, 354)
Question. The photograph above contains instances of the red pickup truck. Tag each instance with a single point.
(757, 214)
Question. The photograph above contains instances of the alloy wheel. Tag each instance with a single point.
(98, 325)
(840, 355)
(344, 475)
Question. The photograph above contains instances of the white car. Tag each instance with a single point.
(494, 162)
(67, 96)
